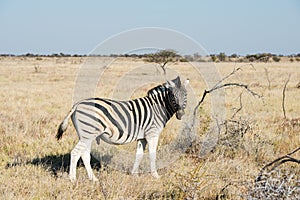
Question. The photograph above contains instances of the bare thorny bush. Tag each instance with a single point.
(278, 179)
(231, 133)
(232, 130)
(277, 183)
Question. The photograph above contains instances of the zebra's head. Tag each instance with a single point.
(178, 95)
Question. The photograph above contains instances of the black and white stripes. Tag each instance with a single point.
(121, 122)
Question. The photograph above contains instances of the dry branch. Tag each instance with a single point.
(283, 96)
(277, 162)
(240, 108)
(268, 78)
(234, 71)
(219, 85)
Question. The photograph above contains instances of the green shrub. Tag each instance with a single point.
(276, 58)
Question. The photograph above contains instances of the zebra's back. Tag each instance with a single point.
(115, 122)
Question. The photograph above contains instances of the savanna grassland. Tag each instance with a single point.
(37, 92)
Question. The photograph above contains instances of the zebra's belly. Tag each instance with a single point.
(121, 138)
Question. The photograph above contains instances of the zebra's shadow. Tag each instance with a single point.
(55, 164)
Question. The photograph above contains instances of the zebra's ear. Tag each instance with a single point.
(170, 84)
(177, 82)
(186, 82)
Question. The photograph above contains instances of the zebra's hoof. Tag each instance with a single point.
(155, 175)
(72, 179)
(94, 179)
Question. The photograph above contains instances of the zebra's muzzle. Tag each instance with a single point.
(179, 114)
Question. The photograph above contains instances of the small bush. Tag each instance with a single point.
(276, 58)
(213, 58)
(37, 68)
(280, 184)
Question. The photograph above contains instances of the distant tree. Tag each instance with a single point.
(213, 57)
(222, 56)
(114, 55)
(189, 58)
(182, 59)
(197, 56)
(263, 57)
(162, 58)
(55, 55)
(234, 55)
(276, 58)
(29, 55)
(252, 59)
(242, 59)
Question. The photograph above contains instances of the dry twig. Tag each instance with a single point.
(268, 78)
(219, 85)
(279, 161)
(240, 108)
(283, 96)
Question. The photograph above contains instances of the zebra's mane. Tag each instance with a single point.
(158, 88)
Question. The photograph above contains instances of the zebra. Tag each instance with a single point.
(121, 122)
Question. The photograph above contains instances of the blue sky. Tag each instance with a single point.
(77, 27)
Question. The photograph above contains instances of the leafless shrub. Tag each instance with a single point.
(37, 68)
(235, 128)
(278, 179)
(279, 184)
(191, 184)
(232, 133)
(220, 85)
(279, 161)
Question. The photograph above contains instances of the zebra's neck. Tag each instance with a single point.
(161, 102)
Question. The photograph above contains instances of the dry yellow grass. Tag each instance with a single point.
(36, 94)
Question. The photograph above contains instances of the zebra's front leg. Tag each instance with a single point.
(141, 144)
(152, 142)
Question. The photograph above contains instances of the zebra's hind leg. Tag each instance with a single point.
(86, 158)
(75, 155)
(141, 144)
(82, 149)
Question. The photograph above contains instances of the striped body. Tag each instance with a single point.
(121, 122)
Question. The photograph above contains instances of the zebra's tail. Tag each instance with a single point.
(64, 124)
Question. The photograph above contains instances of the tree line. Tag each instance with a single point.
(174, 56)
